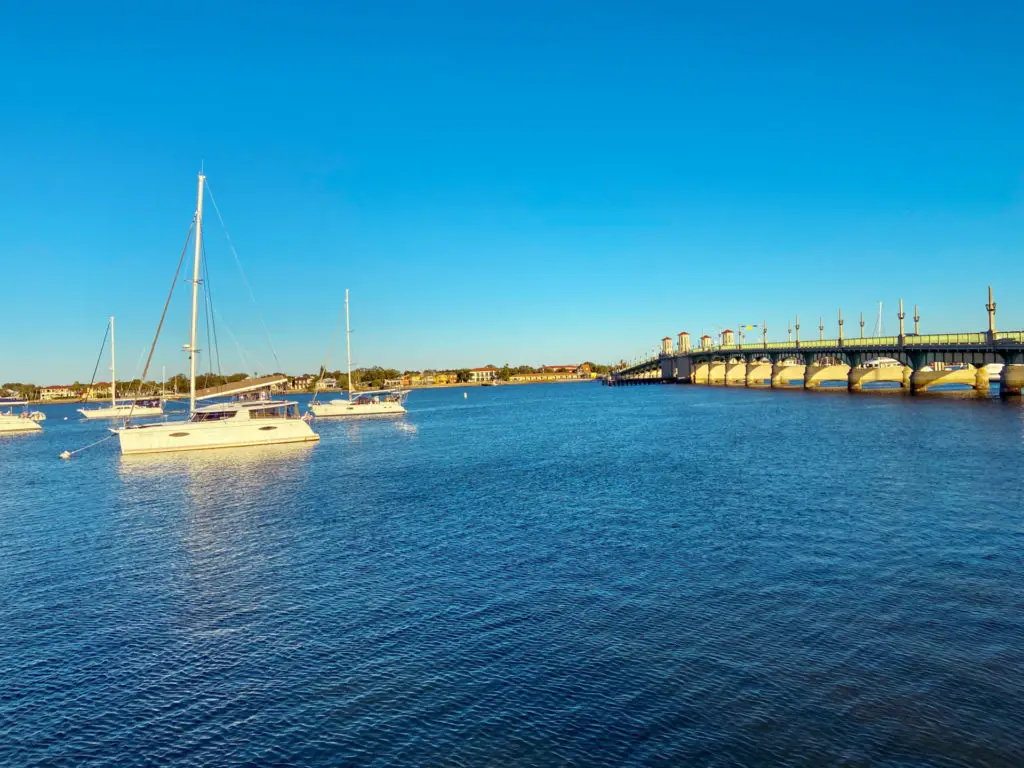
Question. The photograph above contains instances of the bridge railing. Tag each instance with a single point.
(909, 341)
(872, 341)
(945, 338)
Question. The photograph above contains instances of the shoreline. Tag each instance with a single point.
(80, 401)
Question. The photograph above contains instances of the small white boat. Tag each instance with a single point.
(254, 419)
(25, 421)
(383, 402)
(127, 409)
(135, 408)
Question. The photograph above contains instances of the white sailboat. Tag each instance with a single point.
(140, 407)
(384, 402)
(23, 421)
(252, 419)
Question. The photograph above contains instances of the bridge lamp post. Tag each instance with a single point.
(991, 307)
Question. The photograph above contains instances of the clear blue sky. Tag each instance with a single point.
(527, 181)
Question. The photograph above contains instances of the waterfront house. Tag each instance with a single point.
(58, 392)
(487, 373)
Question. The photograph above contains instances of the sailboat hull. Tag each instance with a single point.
(173, 437)
(121, 412)
(344, 408)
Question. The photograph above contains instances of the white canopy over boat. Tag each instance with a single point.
(233, 388)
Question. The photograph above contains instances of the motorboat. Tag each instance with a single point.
(12, 421)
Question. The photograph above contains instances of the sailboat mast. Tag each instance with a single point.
(113, 367)
(195, 297)
(348, 346)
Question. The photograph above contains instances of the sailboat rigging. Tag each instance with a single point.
(384, 402)
(138, 407)
(252, 418)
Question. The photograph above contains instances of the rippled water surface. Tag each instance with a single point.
(530, 576)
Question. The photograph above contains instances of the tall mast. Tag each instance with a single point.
(195, 297)
(113, 367)
(348, 345)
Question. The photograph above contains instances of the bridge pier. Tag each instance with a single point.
(784, 373)
(736, 374)
(1011, 381)
(815, 375)
(976, 378)
(861, 375)
(758, 372)
(716, 373)
(701, 373)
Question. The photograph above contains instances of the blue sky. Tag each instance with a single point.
(521, 181)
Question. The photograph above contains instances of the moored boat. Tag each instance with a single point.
(254, 418)
(382, 402)
(127, 408)
(12, 422)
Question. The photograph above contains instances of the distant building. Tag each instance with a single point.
(487, 373)
(57, 392)
(556, 373)
(300, 382)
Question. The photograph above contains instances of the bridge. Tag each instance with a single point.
(916, 363)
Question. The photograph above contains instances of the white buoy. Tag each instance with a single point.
(66, 455)
(464, 395)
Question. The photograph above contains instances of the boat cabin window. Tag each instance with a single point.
(211, 416)
(273, 412)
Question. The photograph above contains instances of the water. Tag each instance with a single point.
(533, 576)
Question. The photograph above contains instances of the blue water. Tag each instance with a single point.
(531, 576)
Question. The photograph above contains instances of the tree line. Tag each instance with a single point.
(364, 378)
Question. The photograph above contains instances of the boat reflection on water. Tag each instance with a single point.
(358, 430)
(219, 470)
(223, 522)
